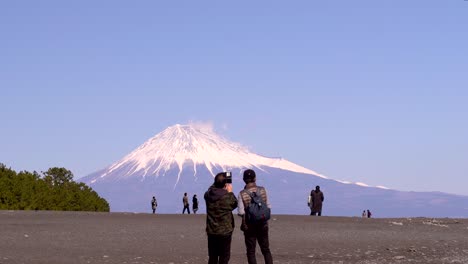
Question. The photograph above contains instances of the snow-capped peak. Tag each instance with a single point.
(183, 145)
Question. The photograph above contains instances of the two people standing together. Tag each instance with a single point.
(254, 208)
(187, 205)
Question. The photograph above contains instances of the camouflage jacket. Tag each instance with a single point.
(219, 206)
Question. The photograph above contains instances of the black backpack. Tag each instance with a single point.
(257, 212)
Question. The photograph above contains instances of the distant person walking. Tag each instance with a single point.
(195, 204)
(369, 214)
(364, 214)
(254, 207)
(315, 201)
(186, 204)
(220, 201)
(154, 204)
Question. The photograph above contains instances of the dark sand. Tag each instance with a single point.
(71, 237)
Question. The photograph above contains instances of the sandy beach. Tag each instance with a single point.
(77, 237)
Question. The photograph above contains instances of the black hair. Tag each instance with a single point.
(249, 176)
(185, 194)
(249, 180)
(220, 180)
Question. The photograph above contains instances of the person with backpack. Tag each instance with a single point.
(220, 201)
(154, 204)
(369, 214)
(195, 204)
(255, 209)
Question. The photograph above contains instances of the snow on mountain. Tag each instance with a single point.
(362, 184)
(382, 187)
(184, 158)
(187, 145)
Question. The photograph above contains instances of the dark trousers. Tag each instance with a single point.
(258, 233)
(219, 249)
(186, 208)
(319, 213)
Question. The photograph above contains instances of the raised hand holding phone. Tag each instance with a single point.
(228, 187)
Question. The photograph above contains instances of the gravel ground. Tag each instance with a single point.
(77, 237)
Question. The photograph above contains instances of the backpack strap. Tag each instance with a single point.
(257, 193)
(249, 193)
(259, 189)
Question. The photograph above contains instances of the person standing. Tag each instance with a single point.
(220, 201)
(364, 214)
(316, 201)
(195, 204)
(255, 226)
(186, 204)
(369, 214)
(154, 204)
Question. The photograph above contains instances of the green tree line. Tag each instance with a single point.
(51, 190)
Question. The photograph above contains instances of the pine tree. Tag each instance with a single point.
(54, 190)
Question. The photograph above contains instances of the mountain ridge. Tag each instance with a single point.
(184, 143)
(184, 159)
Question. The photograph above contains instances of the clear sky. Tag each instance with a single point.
(368, 91)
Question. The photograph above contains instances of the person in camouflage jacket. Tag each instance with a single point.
(220, 201)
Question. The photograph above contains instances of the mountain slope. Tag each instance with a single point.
(182, 145)
(185, 158)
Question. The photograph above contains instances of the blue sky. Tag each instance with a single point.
(368, 91)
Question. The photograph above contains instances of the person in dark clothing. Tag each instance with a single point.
(195, 204)
(315, 201)
(220, 201)
(154, 204)
(254, 232)
(369, 214)
(186, 204)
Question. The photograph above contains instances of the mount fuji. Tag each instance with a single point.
(185, 158)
